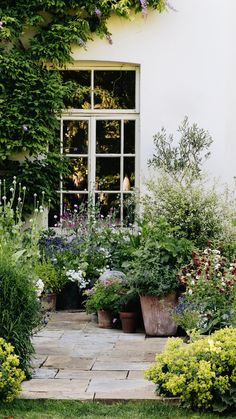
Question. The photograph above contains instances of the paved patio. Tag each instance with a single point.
(75, 359)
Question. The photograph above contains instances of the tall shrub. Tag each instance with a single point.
(19, 307)
(180, 192)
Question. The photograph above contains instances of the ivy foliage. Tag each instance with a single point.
(36, 39)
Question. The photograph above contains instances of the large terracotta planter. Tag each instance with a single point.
(105, 319)
(157, 314)
(49, 301)
(128, 321)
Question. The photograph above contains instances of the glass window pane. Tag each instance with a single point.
(114, 89)
(82, 96)
(78, 180)
(129, 173)
(54, 214)
(129, 137)
(74, 203)
(109, 204)
(128, 209)
(108, 139)
(75, 137)
(108, 173)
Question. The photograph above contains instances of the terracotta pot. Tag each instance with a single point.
(105, 319)
(49, 301)
(128, 321)
(156, 314)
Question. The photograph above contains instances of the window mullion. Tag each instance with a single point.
(92, 158)
(92, 89)
(121, 170)
(61, 180)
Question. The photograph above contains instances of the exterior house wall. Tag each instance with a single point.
(187, 67)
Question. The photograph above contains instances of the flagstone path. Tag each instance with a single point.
(75, 359)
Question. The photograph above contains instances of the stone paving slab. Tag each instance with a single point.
(38, 360)
(44, 373)
(56, 395)
(92, 375)
(127, 395)
(73, 386)
(113, 386)
(120, 366)
(69, 362)
(77, 360)
(135, 375)
(52, 350)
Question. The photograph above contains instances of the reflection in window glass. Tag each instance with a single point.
(107, 173)
(108, 138)
(114, 89)
(78, 179)
(129, 137)
(82, 96)
(129, 173)
(128, 209)
(74, 202)
(54, 214)
(109, 204)
(75, 137)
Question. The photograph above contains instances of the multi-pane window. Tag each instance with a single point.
(99, 138)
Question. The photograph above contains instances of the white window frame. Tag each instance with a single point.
(92, 115)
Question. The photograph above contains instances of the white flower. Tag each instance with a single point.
(77, 276)
(39, 285)
(190, 291)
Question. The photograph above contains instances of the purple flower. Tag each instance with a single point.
(25, 128)
(98, 12)
(109, 38)
(81, 42)
(144, 5)
(1, 24)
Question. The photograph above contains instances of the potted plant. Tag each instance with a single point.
(52, 282)
(104, 298)
(153, 274)
(128, 311)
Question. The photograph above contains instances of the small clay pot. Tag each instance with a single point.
(128, 321)
(105, 319)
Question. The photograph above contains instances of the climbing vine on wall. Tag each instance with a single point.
(36, 39)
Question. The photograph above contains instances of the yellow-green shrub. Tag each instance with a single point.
(10, 375)
(201, 373)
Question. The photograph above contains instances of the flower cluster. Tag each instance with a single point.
(210, 286)
(78, 277)
(185, 314)
(201, 373)
(39, 286)
(209, 265)
(11, 374)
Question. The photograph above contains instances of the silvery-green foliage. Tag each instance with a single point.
(200, 212)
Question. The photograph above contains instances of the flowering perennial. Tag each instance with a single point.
(202, 373)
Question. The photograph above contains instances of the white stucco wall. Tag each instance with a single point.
(188, 67)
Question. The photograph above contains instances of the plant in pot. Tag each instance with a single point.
(128, 311)
(104, 298)
(50, 282)
(153, 274)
